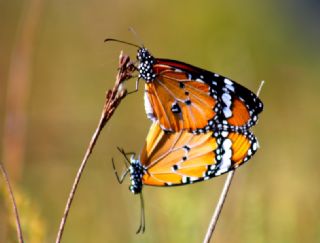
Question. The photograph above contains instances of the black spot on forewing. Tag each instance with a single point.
(175, 108)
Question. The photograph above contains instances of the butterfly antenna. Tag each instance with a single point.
(142, 226)
(125, 155)
(120, 41)
(136, 36)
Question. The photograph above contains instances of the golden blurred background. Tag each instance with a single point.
(55, 70)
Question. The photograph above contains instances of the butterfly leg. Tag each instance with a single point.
(137, 87)
(142, 226)
(119, 178)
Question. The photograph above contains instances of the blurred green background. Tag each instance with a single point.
(55, 70)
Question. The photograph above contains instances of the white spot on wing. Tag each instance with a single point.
(226, 99)
(230, 87)
(199, 80)
(184, 179)
(148, 108)
(212, 167)
(254, 146)
(226, 157)
(228, 81)
(224, 134)
(227, 112)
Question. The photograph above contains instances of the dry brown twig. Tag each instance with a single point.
(113, 99)
(222, 198)
(13, 201)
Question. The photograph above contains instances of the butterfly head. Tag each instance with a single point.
(146, 62)
(136, 173)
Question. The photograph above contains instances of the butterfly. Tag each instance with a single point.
(181, 96)
(181, 158)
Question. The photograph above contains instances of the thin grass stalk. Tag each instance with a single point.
(13, 201)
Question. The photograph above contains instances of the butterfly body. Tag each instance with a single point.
(136, 171)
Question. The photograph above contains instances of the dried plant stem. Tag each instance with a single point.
(113, 99)
(219, 207)
(15, 209)
(222, 198)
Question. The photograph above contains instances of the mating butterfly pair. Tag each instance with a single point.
(200, 127)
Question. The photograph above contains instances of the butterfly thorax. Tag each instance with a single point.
(146, 62)
(136, 173)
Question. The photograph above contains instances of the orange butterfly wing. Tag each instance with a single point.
(179, 102)
(182, 96)
(184, 158)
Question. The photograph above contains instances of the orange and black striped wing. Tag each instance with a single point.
(182, 158)
(182, 96)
